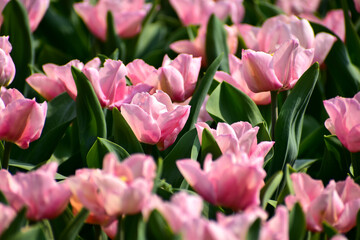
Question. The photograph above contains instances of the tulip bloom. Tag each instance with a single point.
(7, 215)
(278, 72)
(140, 72)
(198, 12)
(178, 77)
(337, 204)
(357, 5)
(58, 79)
(36, 10)
(239, 136)
(127, 15)
(7, 66)
(232, 181)
(154, 119)
(196, 47)
(119, 188)
(343, 120)
(37, 190)
(21, 119)
(298, 6)
(110, 86)
(236, 79)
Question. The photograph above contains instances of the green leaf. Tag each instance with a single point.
(158, 228)
(31, 233)
(289, 124)
(297, 223)
(15, 226)
(254, 230)
(181, 150)
(57, 224)
(90, 117)
(100, 148)
(3, 199)
(199, 95)
(269, 10)
(73, 227)
(336, 161)
(345, 76)
(134, 227)
(209, 145)
(329, 230)
(113, 41)
(229, 104)
(352, 37)
(270, 187)
(123, 135)
(253, 14)
(16, 26)
(216, 43)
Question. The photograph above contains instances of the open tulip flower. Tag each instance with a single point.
(7, 215)
(37, 190)
(178, 77)
(138, 71)
(36, 10)
(239, 136)
(236, 79)
(154, 119)
(276, 72)
(233, 180)
(337, 204)
(58, 79)
(343, 120)
(119, 188)
(198, 12)
(298, 6)
(127, 15)
(21, 119)
(7, 66)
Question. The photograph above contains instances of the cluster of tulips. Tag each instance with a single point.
(179, 119)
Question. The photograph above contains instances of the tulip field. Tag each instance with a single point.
(180, 119)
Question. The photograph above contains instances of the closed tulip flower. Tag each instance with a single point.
(337, 204)
(127, 15)
(276, 72)
(7, 66)
(21, 119)
(37, 190)
(154, 119)
(232, 181)
(343, 120)
(178, 77)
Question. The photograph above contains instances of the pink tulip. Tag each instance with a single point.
(21, 119)
(37, 190)
(7, 215)
(178, 77)
(181, 209)
(197, 46)
(232, 181)
(127, 15)
(58, 79)
(279, 29)
(154, 119)
(236, 79)
(239, 136)
(140, 72)
(198, 12)
(298, 6)
(7, 66)
(334, 20)
(343, 120)
(357, 5)
(119, 188)
(110, 86)
(36, 10)
(337, 204)
(278, 72)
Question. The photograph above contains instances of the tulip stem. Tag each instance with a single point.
(355, 161)
(274, 113)
(190, 33)
(6, 155)
(119, 234)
